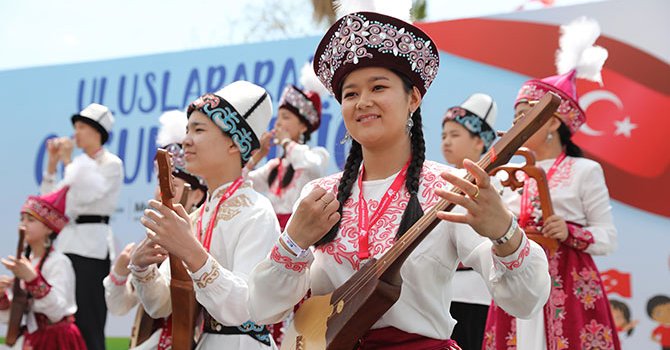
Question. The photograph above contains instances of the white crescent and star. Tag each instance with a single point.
(623, 127)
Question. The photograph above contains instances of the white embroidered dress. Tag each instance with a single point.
(519, 282)
(309, 164)
(245, 231)
(579, 195)
(53, 293)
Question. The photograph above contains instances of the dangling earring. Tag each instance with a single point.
(550, 137)
(302, 138)
(346, 138)
(409, 125)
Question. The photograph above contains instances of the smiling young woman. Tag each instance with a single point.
(379, 68)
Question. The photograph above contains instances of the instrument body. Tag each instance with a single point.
(181, 285)
(19, 301)
(338, 320)
(538, 174)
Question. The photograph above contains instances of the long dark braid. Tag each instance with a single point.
(290, 171)
(28, 251)
(347, 181)
(413, 211)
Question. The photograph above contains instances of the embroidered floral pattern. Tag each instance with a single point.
(297, 100)
(578, 237)
(554, 310)
(344, 248)
(587, 287)
(473, 123)
(38, 288)
(149, 277)
(596, 336)
(516, 263)
(359, 38)
(46, 213)
(224, 115)
(208, 277)
(286, 261)
(569, 111)
(232, 207)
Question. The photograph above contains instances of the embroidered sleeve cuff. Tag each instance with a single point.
(4, 301)
(117, 279)
(283, 259)
(38, 288)
(207, 274)
(515, 260)
(578, 237)
(144, 276)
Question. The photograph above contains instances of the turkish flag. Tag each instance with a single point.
(618, 282)
(626, 118)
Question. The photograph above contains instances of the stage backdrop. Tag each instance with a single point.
(627, 119)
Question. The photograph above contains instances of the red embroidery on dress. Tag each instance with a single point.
(587, 287)
(596, 336)
(510, 339)
(344, 247)
(554, 311)
(578, 237)
(38, 288)
(289, 264)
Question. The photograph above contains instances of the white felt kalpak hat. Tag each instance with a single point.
(97, 116)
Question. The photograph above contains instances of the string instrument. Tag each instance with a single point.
(533, 172)
(184, 305)
(19, 301)
(144, 325)
(338, 319)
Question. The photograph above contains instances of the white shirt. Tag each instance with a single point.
(60, 299)
(281, 280)
(121, 298)
(90, 240)
(309, 164)
(244, 234)
(578, 194)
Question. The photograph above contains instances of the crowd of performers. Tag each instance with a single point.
(258, 235)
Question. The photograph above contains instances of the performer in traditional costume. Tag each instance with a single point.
(119, 292)
(467, 133)
(224, 239)
(577, 315)
(379, 68)
(282, 178)
(87, 239)
(46, 274)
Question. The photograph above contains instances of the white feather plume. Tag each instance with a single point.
(173, 128)
(85, 179)
(395, 8)
(309, 81)
(577, 50)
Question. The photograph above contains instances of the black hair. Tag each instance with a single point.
(571, 149)
(621, 306)
(28, 250)
(413, 211)
(655, 301)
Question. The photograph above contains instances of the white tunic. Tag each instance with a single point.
(59, 302)
(518, 282)
(309, 164)
(90, 240)
(244, 234)
(578, 194)
(121, 298)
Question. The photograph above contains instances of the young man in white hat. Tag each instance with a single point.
(234, 229)
(86, 239)
(467, 133)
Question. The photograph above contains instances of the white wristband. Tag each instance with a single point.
(513, 226)
(292, 246)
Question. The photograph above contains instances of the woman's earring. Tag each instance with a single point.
(409, 125)
(346, 138)
(302, 138)
(550, 137)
